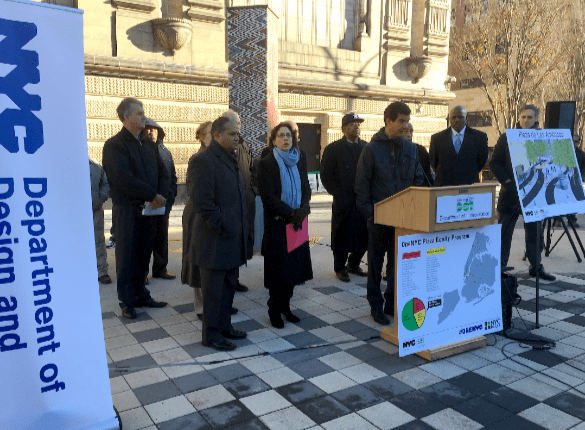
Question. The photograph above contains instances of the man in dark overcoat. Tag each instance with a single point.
(387, 165)
(221, 230)
(136, 175)
(459, 153)
(509, 208)
(248, 171)
(349, 230)
(160, 252)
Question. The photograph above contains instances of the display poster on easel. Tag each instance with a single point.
(52, 349)
(546, 172)
(448, 287)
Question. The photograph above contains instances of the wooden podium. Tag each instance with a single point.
(414, 211)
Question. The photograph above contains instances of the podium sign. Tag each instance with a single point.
(448, 287)
(464, 207)
(52, 349)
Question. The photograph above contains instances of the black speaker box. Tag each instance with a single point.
(560, 115)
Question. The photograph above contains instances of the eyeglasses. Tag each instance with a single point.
(281, 135)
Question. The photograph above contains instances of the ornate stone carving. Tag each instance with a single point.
(397, 25)
(206, 11)
(172, 33)
(143, 6)
(418, 67)
(438, 27)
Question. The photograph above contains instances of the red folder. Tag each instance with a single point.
(294, 239)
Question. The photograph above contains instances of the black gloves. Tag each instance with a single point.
(299, 216)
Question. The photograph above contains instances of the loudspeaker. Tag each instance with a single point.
(560, 115)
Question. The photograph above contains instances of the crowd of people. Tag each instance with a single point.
(223, 181)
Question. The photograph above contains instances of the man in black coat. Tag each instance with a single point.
(509, 208)
(248, 171)
(160, 252)
(349, 230)
(459, 153)
(221, 229)
(387, 165)
(136, 175)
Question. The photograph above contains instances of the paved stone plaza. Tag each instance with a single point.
(278, 379)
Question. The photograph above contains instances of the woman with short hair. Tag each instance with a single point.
(284, 187)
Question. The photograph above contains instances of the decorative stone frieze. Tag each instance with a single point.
(172, 33)
(100, 132)
(209, 11)
(158, 112)
(142, 6)
(122, 87)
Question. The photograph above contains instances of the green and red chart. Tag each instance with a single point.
(413, 314)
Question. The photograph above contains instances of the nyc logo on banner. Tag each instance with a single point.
(52, 346)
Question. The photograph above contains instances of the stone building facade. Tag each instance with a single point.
(334, 57)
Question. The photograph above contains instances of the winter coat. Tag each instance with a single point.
(135, 171)
(384, 170)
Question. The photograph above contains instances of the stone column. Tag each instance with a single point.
(253, 71)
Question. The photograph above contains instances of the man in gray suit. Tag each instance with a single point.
(221, 225)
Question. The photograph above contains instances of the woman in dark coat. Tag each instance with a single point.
(284, 187)
(190, 272)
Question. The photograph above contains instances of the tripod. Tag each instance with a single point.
(548, 225)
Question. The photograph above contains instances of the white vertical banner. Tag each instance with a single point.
(52, 351)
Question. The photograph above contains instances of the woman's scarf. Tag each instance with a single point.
(289, 176)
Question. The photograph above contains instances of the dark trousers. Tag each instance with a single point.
(508, 222)
(134, 242)
(380, 242)
(160, 251)
(279, 298)
(219, 287)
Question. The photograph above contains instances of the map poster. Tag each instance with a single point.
(546, 173)
(448, 287)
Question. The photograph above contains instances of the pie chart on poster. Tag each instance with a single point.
(413, 314)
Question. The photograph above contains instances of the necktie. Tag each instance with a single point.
(457, 143)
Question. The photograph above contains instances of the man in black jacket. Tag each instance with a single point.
(160, 252)
(509, 208)
(248, 171)
(221, 227)
(136, 175)
(459, 153)
(349, 230)
(387, 165)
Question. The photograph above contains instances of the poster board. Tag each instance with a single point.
(448, 287)
(52, 348)
(546, 173)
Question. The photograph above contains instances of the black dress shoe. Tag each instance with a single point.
(342, 275)
(542, 275)
(105, 279)
(234, 334)
(151, 303)
(128, 311)
(164, 275)
(233, 311)
(290, 316)
(220, 345)
(200, 316)
(379, 317)
(357, 271)
(276, 319)
(241, 288)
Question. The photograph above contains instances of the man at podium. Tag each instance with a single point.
(387, 165)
